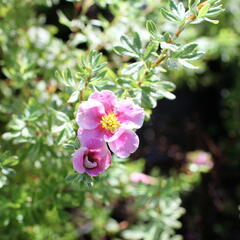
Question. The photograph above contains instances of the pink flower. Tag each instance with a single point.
(199, 161)
(104, 118)
(92, 161)
(141, 177)
(203, 158)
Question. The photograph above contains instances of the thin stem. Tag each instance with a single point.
(163, 56)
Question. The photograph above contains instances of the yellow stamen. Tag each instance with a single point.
(110, 122)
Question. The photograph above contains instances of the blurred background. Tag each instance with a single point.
(203, 119)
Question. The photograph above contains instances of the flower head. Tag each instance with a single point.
(137, 177)
(91, 161)
(199, 161)
(104, 118)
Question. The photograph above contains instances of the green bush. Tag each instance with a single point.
(137, 49)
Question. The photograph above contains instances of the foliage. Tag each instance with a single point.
(129, 50)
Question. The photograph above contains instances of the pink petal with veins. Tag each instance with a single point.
(89, 114)
(107, 98)
(129, 114)
(124, 142)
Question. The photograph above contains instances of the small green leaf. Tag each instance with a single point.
(69, 79)
(186, 50)
(132, 68)
(137, 42)
(61, 116)
(151, 48)
(126, 41)
(74, 97)
(8, 135)
(169, 86)
(189, 4)
(214, 12)
(211, 20)
(63, 19)
(71, 177)
(124, 52)
(168, 15)
(166, 94)
(187, 64)
(169, 46)
(151, 27)
(203, 11)
(173, 5)
(181, 10)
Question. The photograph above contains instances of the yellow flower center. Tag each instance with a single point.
(110, 122)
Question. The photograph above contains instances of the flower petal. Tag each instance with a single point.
(140, 177)
(103, 158)
(91, 138)
(107, 98)
(124, 142)
(78, 159)
(89, 114)
(129, 114)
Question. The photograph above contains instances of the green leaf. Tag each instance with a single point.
(66, 78)
(71, 177)
(169, 46)
(63, 19)
(193, 56)
(137, 42)
(172, 63)
(69, 79)
(169, 86)
(7, 171)
(34, 150)
(167, 37)
(173, 5)
(124, 52)
(195, 4)
(214, 12)
(181, 11)
(8, 135)
(151, 48)
(203, 11)
(17, 124)
(69, 146)
(187, 64)
(61, 116)
(6, 159)
(99, 76)
(147, 99)
(132, 68)
(133, 234)
(186, 50)
(126, 41)
(74, 97)
(211, 20)
(120, 50)
(133, 49)
(189, 4)
(168, 15)
(98, 67)
(166, 94)
(151, 27)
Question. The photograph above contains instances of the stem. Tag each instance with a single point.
(163, 56)
(81, 95)
(85, 86)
